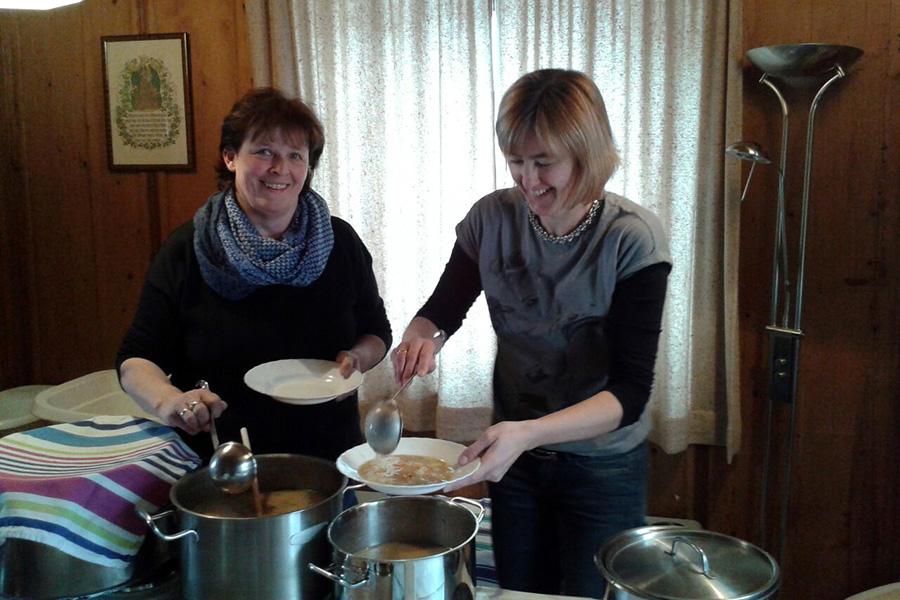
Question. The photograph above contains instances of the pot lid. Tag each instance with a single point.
(671, 563)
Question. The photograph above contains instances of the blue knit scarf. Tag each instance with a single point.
(235, 260)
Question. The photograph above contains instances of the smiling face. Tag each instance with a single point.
(269, 170)
(547, 181)
(565, 110)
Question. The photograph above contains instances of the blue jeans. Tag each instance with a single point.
(552, 511)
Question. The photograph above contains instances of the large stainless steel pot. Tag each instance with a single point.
(416, 520)
(671, 563)
(30, 569)
(225, 557)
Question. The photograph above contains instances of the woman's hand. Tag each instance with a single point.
(415, 354)
(191, 411)
(499, 447)
(348, 363)
(502, 444)
(148, 385)
(365, 354)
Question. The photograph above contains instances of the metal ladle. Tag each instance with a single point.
(384, 421)
(232, 466)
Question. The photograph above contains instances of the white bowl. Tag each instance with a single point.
(350, 461)
(301, 380)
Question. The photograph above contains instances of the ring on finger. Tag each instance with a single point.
(182, 412)
(401, 351)
(193, 404)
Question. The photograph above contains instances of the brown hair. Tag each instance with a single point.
(264, 110)
(565, 111)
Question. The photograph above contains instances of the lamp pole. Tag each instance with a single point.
(785, 334)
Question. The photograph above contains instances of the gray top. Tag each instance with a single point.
(548, 304)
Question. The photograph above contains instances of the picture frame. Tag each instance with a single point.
(148, 102)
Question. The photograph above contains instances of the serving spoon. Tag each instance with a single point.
(384, 421)
(232, 466)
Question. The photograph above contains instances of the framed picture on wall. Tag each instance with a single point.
(149, 109)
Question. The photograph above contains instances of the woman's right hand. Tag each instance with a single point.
(191, 411)
(422, 340)
(148, 385)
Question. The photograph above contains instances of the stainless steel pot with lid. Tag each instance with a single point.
(671, 563)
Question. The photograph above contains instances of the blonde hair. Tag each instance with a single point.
(565, 111)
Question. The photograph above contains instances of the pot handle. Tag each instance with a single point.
(703, 558)
(151, 522)
(337, 578)
(470, 502)
(353, 488)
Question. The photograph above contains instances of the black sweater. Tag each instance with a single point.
(192, 333)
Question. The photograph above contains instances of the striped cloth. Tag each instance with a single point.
(75, 485)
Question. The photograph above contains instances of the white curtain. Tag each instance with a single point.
(407, 91)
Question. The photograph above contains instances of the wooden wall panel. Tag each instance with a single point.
(59, 199)
(16, 364)
(119, 208)
(874, 518)
(90, 233)
(221, 74)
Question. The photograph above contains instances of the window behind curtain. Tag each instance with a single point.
(407, 91)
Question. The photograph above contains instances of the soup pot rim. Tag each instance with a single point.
(342, 489)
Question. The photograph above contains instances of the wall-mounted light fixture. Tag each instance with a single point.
(35, 4)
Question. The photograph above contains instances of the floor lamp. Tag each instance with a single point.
(784, 329)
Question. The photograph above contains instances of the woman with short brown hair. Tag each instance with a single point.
(263, 272)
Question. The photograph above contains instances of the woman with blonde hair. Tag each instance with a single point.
(575, 280)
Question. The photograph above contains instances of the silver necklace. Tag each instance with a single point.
(562, 239)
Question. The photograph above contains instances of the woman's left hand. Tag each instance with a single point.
(348, 362)
(499, 447)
